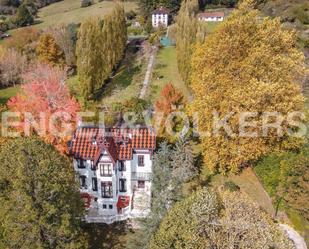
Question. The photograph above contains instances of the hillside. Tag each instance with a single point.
(69, 11)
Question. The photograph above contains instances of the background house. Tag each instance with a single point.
(160, 17)
(211, 16)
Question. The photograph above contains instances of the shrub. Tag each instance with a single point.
(131, 15)
(86, 3)
(23, 16)
(231, 186)
(301, 13)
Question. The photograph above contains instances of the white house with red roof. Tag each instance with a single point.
(211, 16)
(160, 17)
(114, 169)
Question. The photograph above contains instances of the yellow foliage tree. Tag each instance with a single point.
(250, 64)
(48, 51)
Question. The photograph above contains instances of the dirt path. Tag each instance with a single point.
(298, 240)
(148, 72)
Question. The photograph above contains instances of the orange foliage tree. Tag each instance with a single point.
(170, 99)
(46, 106)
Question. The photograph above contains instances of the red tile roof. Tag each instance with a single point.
(161, 11)
(90, 142)
(211, 14)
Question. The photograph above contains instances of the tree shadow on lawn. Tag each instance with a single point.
(103, 236)
(122, 78)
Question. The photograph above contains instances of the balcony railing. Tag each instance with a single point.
(141, 176)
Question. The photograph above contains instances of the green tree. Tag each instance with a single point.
(172, 167)
(23, 16)
(248, 65)
(89, 56)
(40, 202)
(293, 182)
(48, 51)
(100, 47)
(226, 220)
(186, 32)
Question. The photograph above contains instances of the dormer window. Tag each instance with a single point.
(81, 164)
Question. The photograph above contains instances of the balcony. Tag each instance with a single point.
(141, 176)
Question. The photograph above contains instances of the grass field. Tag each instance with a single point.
(7, 93)
(126, 83)
(69, 11)
(165, 71)
(248, 183)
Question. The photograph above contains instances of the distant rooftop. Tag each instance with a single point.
(211, 14)
(161, 11)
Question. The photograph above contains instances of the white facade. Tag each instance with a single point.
(211, 16)
(211, 19)
(159, 19)
(107, 182)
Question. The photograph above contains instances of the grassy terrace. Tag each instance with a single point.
(69, 11)
(7, 93)
(165, 71)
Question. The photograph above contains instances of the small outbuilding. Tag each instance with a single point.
(211, 16)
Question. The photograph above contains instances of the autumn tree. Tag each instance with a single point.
(223, 220)
(65, 37)
(171, 99)
(40, 206)
(250, 64)
(12, 66)
(48, 51)
(52, 111)
(24, 41)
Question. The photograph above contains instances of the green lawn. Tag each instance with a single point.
(7, 93)
(211, 26)
(69, 11)
(165, 71)
(249, 184)
(126, 83)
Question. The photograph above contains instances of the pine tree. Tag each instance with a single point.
(248, 65)
(40, 206)
(48, 51)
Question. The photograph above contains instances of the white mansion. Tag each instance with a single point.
(160, 17)
(114, 167)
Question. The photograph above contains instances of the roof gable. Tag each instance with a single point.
(211, 14)
(161, 11)
(119, 143)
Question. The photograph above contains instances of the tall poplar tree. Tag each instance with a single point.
(186, 32)
(250, 64)
(100, 47)
(89, 56)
